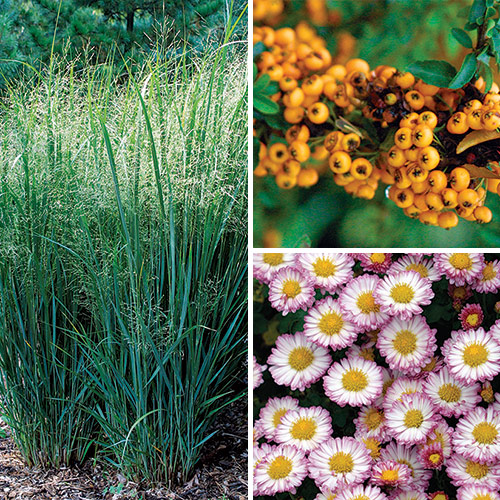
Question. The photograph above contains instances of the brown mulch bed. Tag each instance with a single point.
(221, 474)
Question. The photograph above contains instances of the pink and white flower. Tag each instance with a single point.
(460, 268)
(273, 412)
(265, 265)
(257, 373)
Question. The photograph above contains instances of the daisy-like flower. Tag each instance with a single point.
(489, 281)
(326, 324)
(370, 423)
(283, 469)
(471, 316)
(257, 373)
(339, 462)
(296, 362)
(460, 268)
(407, 345)
(441, 434)
(326, 495)
(495, 330)
(410, 419)
(361, 351)
(431, 455)
(354, 382)
(463, 472)
(272, 413)
(358, 302)
(417, 263)
(376, 262)
(474, 356)
(408, 495)
(403, 293)
(451, 397)
(305, 428)
(477, 493)
(390, 473)
(361, 492)
(408, 456)
(291, 290)
(459, 294)
(327, 270)
(399, 388)
(265, 265)
(260, 451)
(477, 435)
(373, 446)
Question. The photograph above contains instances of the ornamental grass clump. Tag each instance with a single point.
(123, 263)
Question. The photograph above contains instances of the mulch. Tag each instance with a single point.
(220, 475)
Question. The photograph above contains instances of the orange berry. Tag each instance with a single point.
(429, 218)
(422, 136)
(357, 65)
(412, 153)
(313, 85)
(365, 191)
(483, 214)
(297, 133)
(403, 198)
(401, 178)
(337, 71)
(278, 152)
(428, 118)
(318, 113)
(285, 181)
(299, 151)
(434, 201)
(426, 89)
(340, 162)
(491, 120)
(260, 171)
(468, 198)
(415, 100)
(294, 98)
(334, 140)
(457, 123)
(396, 157)
(404, 80)
(416, 173)
(361, 168)
(459, 179)
(294, 115)
(402, 138)
(428, 158)
(410, 121)
(450, 197)
(472, 105)
(492, 185)
(447, 220)
(437, 180)
(351, 142)
(307, 177)
(474, 119)
(287, 83)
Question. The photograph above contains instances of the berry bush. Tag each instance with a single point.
(376, 376)
(425, 140)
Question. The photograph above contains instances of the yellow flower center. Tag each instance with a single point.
(273, 259)
(450, 393)
(277, 416)
(341, 463)
(476, 470)
(405, 462)
(300, 358)
(485, 433)
(405, 342)
(367, 353)
(475, 354)
(291, 288)
(402, 293)
(373, 419)
(420, 268)
(373, 447)
(440, 496)
(303, 429)
(354, 380)
(331, 323)
(487, 394)
(279, 468)
(324, 267)
(460, 261)
(435, 458)
(377, 258)
(482, 496)
(366, 303)
(489, 272)
(430, 365)
(472, 319)
(389, 475)
(360, 497)
(414, 419)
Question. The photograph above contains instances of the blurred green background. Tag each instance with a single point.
(396, 33)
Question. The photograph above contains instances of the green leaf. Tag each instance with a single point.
(438, 73)
(462, 37)
(477, 11)
(265, 105)
(490, 27)
(271, 89)
(258, 48)
(261, 83)
(466, 72)
(495, 43)
(489, 3)
(487, 74)
(255, 72)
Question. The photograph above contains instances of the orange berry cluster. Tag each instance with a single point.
(322, 101)
(267, 10)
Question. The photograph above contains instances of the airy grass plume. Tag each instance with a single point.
(123, 260)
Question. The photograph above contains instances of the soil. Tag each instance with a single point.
(221, 474)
